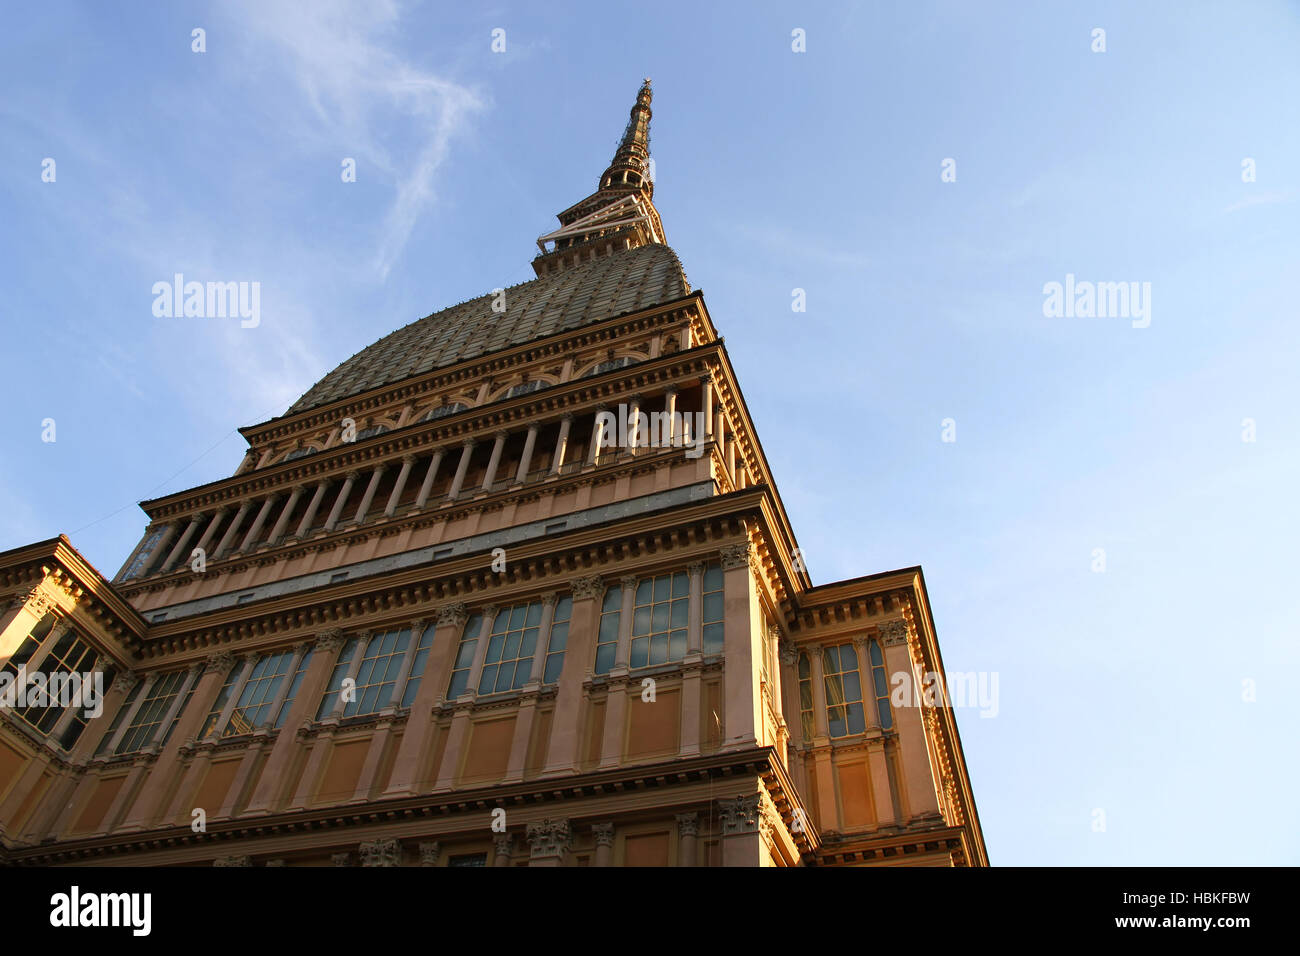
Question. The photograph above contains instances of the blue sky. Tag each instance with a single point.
(1120, 691)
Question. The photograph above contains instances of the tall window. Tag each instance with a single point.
(559, 640)
(464, 657)
(332, 687)
(806, 721)
(142, 556)
(219, 705)
(259, 693)
(30, 644)
(659, 619)
(713, 605)
(376, 676)
(153, 709)
(417, 666)
(69, 655)
(118, 717)
(80, 720)
(511, 645)
(843, 691)
(880, 686)
(607, 639)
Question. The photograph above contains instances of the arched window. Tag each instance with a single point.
(880, 685)
(299, 453)
(442, 411)
(371, 431)
(523, 388)
(611, 365)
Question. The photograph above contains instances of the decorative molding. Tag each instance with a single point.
(233, 861)
(220, 662)
(329, 641)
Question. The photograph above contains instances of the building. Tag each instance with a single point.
(511, 586)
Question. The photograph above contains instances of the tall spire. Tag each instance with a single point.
(620, 214)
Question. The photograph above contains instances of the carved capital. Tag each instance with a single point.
(381, 853)
(735, 555)
(429, 853)
(232, 861)
(604, 833)
(503, 843)
(329, 641)
(589, 587)
(452, 614)
(548, 838)
(341, 859)
(696, 569)
(893, 632)
(688, 824)
(220, 662)
(789, 653)
(740, 815)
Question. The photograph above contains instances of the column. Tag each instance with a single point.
(543, 638)
(563, 751)
(344, 493)
(827, 810)
(688, 827)
(181, 544)
(562, 443)
(527, 457)
(467, 450)
(154, 560)
(254, 533)
(706, 387)
(634, 438)
(429, 476)
(604, 834)
(731, 458)
(490, 475)
(408, 776)
(408, 462)
(313, 506)
(146, 805)
(503, 844)
(742, 843)
(269, 792)
(909, 723)
(228, 538)
(692, 684)
(740, 678)
(364, 508)
(285, 513)
(597, 435)
(548, 842)
(211, 529)
(23, 614)
(670, 409)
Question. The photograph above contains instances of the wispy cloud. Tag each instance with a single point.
(361, 90)
(1261, 199)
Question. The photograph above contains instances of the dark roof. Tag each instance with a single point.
(625, 281)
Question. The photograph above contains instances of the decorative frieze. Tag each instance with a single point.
(735, 555)
(893, 632)
(740, 815)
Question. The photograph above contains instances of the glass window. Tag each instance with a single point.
(880, 685)
(293, 689)
(523, 388)
(844, 714)
(468, 859)
(259, 693)
(377, 676)
(659, 619)
(227, 688)
(179, 710)
(806, 721)
(151, 712)
(607, 638)
(511, 645)
(329, 696)
(299, 453)
(69, 655)
(30, 644)
(122, 711)
(442, 411)
(559, 640)
(464, 657)
(142, 556)
(712, 608)
(371, 432)
(80, 720)
(417, 666)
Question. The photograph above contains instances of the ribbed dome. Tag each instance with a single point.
(625, 281)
